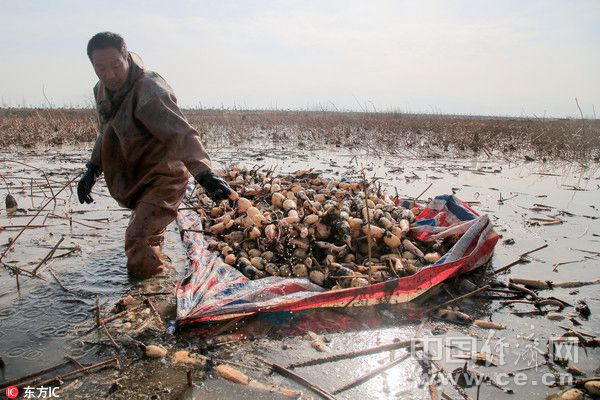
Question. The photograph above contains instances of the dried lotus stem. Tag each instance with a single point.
(364, 184)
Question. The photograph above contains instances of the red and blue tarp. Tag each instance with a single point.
(213, 291)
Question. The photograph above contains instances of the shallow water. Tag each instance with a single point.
(42, 323)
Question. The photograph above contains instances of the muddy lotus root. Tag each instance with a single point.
(305, 225)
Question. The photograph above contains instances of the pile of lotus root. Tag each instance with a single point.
(304, 225)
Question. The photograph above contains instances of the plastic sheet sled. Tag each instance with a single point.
(214, 291)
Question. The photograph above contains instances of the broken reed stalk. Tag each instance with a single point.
(48, 256)
(80, 370)
(449, 302)
(7, 227)
(364, 184)
(226, 327)
(558, 264)
(154, 293)
(43, 173)
(110, 337)
(97, 308)
(423, 192)
(289, 374)
(519, 261)
(190, 380)
(370, 374)
(238, 364)
(57, 281)
(32, 375)
(119, 315)
(352, 354)
(459, 389)
(23, 270)
(10, 246)
(77, 363)
(523, 289)
(156, 314)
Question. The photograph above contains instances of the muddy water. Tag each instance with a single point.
(42, 323)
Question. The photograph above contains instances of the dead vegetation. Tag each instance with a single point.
(403, 134)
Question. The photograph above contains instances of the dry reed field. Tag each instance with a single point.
(412, 135)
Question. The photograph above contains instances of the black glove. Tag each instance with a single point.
(216, 188)
(84, 188)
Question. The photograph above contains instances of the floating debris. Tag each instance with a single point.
(154, 351)
(237, 376)
(11, 204)
(185, 357)
(488, 324)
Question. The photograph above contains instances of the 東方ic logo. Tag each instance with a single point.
(12, 392)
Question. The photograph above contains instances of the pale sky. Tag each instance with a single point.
(503, 57)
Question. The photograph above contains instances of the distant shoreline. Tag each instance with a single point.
(421, 135)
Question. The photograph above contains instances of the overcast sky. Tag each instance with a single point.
(467, 57)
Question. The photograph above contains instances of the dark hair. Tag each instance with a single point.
(105, 40)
